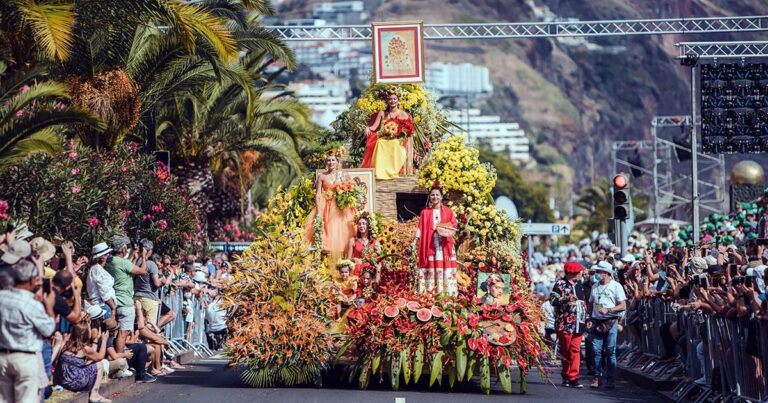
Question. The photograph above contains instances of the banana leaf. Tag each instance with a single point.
(406, 362)
(342, 351)
(436, 371)
(470, 368)
(418, 363)
(504, 377)
(394, 371)
(364, 378)
(445, 338)
(451, 376)
(375, 363)
(461, 360)
(485, 375)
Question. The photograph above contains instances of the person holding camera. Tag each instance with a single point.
(608, 301)
(25, 322)
(123, 270)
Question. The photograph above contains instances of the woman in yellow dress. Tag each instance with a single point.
(389, 139)
(338, 225)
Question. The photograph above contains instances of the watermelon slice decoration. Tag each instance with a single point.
(401, 302)
(436, 312)
(391, 311)
(424, 314)
(413, 306)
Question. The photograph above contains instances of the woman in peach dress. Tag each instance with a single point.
(338, 224)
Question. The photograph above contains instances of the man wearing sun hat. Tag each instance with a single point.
(100, 284)
(570, 319)
(608, 300)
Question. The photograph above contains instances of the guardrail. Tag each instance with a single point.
(718, 359)
(187, 329)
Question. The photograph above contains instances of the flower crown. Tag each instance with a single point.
(338, 152)
(345, 263)
(436, 186)
(391, 90)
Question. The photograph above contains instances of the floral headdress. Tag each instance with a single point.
(345, 263)
(437, 186)
(391, 90)
(338, 152)
(373, 222)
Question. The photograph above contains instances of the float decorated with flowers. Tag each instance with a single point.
(440, 297)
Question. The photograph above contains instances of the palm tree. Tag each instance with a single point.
(34, 114)
(213, 129)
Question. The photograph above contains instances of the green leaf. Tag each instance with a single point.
(394, 371)
(485, 375)
(406, 363)
(504, 377)
(342, 350)
(418, 363)
(470, 368)
(437, 367)
(445, 338)
(364, 377)
(375, 363)
(461, 360)
(451, 376)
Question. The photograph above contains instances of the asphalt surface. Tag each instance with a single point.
(209, 381)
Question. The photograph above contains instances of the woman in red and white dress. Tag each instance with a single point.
(437, 257)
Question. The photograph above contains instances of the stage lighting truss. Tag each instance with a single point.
(535, 29)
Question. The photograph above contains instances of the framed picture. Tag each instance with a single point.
(398, 52)
(363, 178)
(493, 288)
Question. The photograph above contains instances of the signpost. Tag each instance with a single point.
(540, 228)
(535, 228)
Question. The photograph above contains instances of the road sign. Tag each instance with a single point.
(536, 228)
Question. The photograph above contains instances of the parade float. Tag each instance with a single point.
(352, 276)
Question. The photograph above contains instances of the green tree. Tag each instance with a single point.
(531, 199)
(34, 114)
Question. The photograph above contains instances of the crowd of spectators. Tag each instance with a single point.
(723, 276)
(70, 321)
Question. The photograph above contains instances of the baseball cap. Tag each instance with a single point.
(18, 250)
(628, 258)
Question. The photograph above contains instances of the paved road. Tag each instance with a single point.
(210, 382)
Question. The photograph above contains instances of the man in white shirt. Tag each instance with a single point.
(608, 301)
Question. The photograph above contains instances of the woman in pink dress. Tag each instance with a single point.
(338, 224)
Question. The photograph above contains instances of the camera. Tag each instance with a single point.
(737, 280)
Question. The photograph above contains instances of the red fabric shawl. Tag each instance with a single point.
(427, 229)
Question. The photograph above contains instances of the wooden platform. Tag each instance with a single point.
(385, 201)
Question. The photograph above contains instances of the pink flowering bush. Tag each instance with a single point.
(88, 195)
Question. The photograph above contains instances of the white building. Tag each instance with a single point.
(327, 99)
(340, 12)
(490, 131)
(464, 78)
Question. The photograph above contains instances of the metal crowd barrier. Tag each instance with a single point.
(176, 330)
(721, 359)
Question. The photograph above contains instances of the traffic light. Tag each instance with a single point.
(622, 203)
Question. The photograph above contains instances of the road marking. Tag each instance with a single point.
(399, 400)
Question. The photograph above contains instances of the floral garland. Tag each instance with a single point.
(400, 333)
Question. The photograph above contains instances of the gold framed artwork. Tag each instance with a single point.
(398, 52)
(364, 179)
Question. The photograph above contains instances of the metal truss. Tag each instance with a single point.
(536, 29)
(713, 50)
(670, 188)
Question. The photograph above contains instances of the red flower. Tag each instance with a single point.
(507, 318)
(93, 222)
(472, 344)
(507, 360)
(473, 320)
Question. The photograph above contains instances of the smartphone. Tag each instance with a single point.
(734, 269)
(748, 281)
(736, 280)
(704, 282)
(46, 286)
(103, 327)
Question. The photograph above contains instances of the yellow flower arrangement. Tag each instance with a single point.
(458, 168)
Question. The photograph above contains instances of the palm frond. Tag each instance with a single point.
(51, 25)
(47, 140)
(194, 19)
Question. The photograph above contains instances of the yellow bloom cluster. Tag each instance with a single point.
(485, 222)
(459, 169)
(288, 207)
(412, 95)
